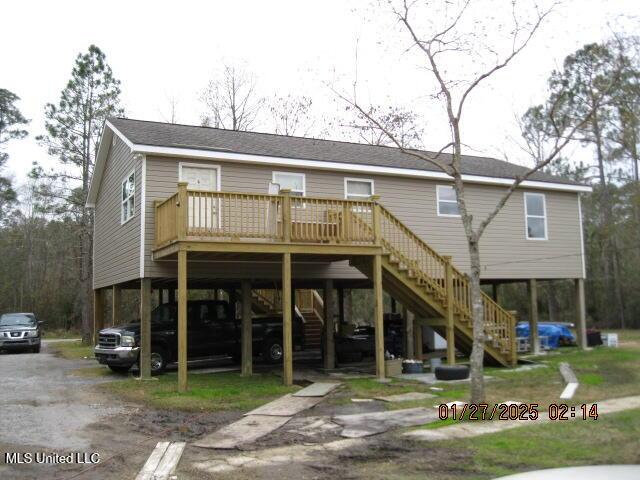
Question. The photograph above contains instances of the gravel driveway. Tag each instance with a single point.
(46, 409)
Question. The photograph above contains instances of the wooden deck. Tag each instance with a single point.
(249, 225)
(229, 222)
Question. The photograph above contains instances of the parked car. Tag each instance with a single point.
(20, 331)
(361, 343)
(212, 330)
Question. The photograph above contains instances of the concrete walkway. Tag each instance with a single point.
(472, 429)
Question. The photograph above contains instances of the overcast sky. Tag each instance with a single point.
(169, 49)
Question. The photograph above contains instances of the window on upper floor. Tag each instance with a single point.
(447, 201)
(292, 181)
(535, 212)
(357, 189)
(128, 195)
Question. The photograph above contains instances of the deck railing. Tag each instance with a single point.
(199, 214)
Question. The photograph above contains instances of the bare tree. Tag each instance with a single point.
(231, 100)
(455, 36)
(402, 123)
(171, 113)
(291, 115)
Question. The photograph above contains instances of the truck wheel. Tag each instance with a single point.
(158, 360)
(36, 349)
(272, 350)
(119, 369)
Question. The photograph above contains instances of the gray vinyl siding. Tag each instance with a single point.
(506, 253)
(116, 246)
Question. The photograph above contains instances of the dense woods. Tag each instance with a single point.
(45, 233)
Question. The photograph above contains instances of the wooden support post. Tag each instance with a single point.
(581, 313)
(145, 328)
(172, 296)
(533, 317)
(379, 316)
(182, 321)
(329, 326)
(394, 306)
(247, 330)
(286, 214)
(182, 210)
(513, 339)
(287, 331)
(417, 340)
(98, 313)
(495, 292)
(341, 317)
(451, 339)
(407, 323)
(377, 231)
(116, 305)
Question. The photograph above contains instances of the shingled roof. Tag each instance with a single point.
(141, 132)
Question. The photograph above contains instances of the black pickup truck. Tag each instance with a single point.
(212, 330)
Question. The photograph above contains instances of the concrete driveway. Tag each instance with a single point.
(46, 410)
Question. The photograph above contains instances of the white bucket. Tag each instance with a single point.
(434, 362)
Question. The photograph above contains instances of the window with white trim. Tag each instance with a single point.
(357, 189)
(535, 211)
(128, 197)
(292, 181)
(447, 201)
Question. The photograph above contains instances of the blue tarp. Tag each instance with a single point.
(556, 334)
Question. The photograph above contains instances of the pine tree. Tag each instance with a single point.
(73, 130)
(11, 120)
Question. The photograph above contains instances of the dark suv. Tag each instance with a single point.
(20, 331)
(212, 330)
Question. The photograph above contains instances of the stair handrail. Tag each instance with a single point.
(497, 321)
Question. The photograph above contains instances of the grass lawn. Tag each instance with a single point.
(210, 392)
(72, 350)
(58, 333)
(612, 439)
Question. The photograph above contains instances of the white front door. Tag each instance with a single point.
(203, 208)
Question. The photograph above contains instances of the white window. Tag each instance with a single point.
(535, 212)
(447, 201)
(357, 189)
(128, 201)
(292, 181)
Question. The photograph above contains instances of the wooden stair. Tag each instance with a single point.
(308, 302)
(427, 284)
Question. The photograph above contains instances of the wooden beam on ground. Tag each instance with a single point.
(379, 316)
(145, 328)
(247, 330)
(451, 338)
(287, 330)
(116, 305)
(581, 314)
(329, 326)
(182, 321)
(533, 316)
(98, 313)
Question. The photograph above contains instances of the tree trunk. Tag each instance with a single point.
(477, 350)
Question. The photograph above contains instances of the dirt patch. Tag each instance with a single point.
(173, 425)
